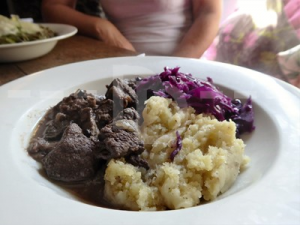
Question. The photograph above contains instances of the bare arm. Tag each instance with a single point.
(207, 14)
(63, 11)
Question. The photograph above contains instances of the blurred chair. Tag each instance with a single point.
(90, 7)
(32, 8)
(3, 8)
(26, 9)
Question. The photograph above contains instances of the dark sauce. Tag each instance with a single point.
(90, 191)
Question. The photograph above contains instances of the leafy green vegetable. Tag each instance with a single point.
(15, 31)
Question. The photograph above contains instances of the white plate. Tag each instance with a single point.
(268, 192)
(33, 49)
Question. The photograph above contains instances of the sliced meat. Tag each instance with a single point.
(122, 95)
(128, 114)
(55, 128)
(133, 82)
(88, 123)
(39, 148)
(104, 113)
(119, 141)
(136, 160)
(72, 159)
(72, 104)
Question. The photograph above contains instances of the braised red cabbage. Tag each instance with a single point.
(203, 96)
(178, 146)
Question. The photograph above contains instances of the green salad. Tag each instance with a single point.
(14, 30)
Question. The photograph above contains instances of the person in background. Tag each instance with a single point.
(184, 28)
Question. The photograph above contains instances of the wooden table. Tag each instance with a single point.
(74, 49)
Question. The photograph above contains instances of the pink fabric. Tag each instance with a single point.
(292, 11)
(154, 27)
(268, 49)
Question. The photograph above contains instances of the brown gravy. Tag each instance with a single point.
(89, 192)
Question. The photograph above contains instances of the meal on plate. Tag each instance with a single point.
(15, 30)
(168, 141)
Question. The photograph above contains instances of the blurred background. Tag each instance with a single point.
(262, 35)
(31, 9)
(4, 8)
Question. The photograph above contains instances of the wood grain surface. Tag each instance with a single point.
(74, 49)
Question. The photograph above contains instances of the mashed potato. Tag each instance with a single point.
(207, 164)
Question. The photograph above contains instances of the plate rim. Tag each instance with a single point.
(91, 212)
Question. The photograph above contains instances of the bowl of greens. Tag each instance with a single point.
(21, 40)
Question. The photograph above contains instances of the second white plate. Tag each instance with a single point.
(33, 49)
